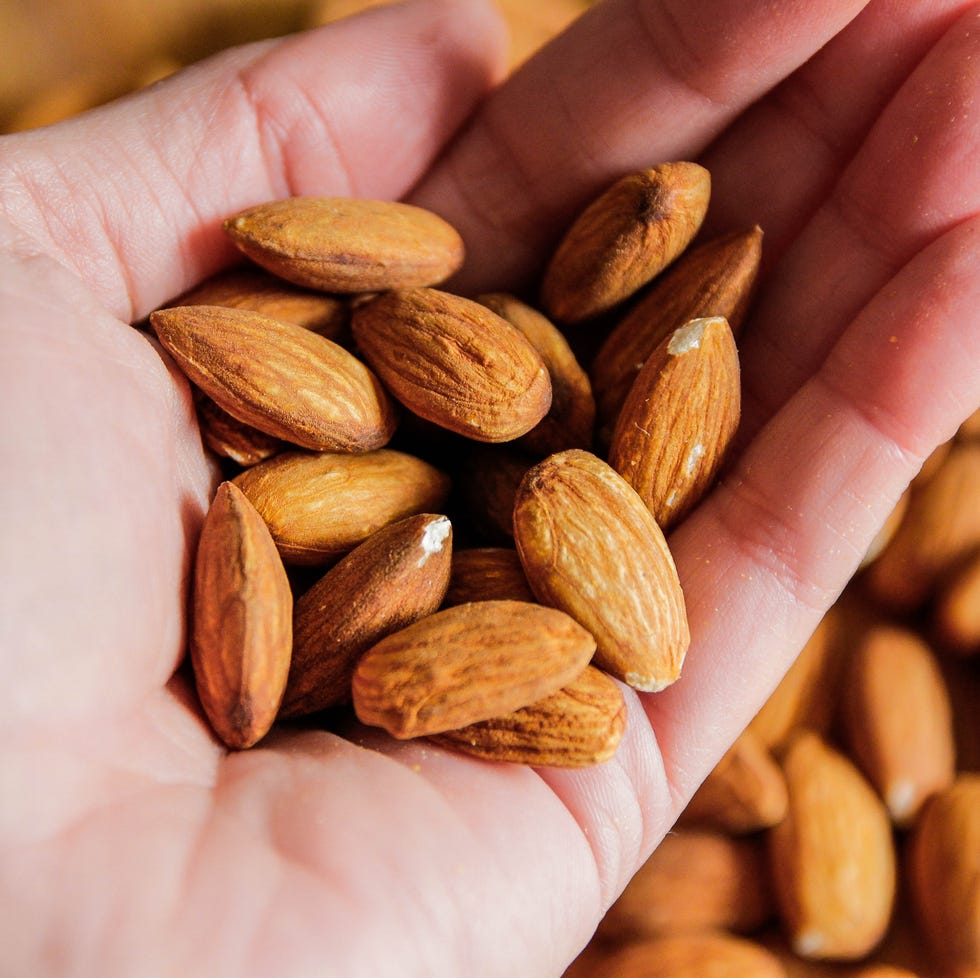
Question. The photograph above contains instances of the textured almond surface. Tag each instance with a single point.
(242, 621)
(348, 245)
(624, 238)
(320, 506)
(396, 576)
(580, 725)
(230, 438)
(465, 664)
(455, 363)
(487, 574)
(680, 417)
(591, 547)
(282, 379)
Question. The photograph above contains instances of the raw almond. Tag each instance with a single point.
(241, 622)
(579, 726)
(345, 245)
(465, 664)
(487, 574)
(279, 378)
(680, 417)
(487, 479)
(455, 363)
(320, 506)
(590, 546)
(956, 614)
(230, 438)
(398, 575)
(624, 238)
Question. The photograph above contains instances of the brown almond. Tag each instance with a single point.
(230, 438)
(455, 363)
(714, 279)
(571, 417)
(241, 630)
(398, 575)
(279, 378)
(487, 574)
(465, 664)
(970, 429)
(320, 506)
(487, 479)
(591, 547)
(345, 245)
(680, 417)
(832, 856)
(579, 726)
(898, 719)
(956, 614)
(624, 238)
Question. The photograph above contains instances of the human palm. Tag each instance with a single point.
(132, 843)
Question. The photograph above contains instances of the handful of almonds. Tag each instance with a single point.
(347, 558)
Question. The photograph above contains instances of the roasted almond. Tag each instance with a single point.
(465, 664)
(624, 238)
(282, 379)
(241, 631)
(590, 546)
(345, 245)
(455, 363)
(487, 574)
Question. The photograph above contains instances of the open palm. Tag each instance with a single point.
(132, 844)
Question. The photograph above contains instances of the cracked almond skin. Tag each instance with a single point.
(320, 506)
(348, 245)
(681, 415)
(466, 664)
(624, 238)
(398, 575)
(579, 726)
(590, 546)
(241, 631)
(454, 362)
(282, 379)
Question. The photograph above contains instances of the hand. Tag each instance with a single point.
(132, 844)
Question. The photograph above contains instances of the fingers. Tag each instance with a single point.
(631, 84)
(131, 196)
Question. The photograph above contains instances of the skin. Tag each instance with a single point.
(132, 844)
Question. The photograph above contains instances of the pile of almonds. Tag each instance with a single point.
(432, 510)
(840, 835)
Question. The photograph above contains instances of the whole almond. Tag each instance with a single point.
(680, 417)
(487, 574)
(468, 663)
(230, 438)
(580, 725)
(241, 631)
(832, 856)
(345, 245)
(398, 575)
(714, 279)
(320, 506)
(279, 378)
(956, 613)
(624, 238)
(591, 547)
(455, 363)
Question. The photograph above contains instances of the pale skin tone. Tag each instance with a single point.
(133, 844)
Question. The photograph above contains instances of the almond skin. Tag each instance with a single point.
(241, 635)
(679, 419)
(455, 363)
(624, 238)
(591, 547)
(487, 479)
(487, 574)
(230, 438)
(579, 726)
(465, 664)
(320, 506)
(279, 378)
(956, 613)
(347, 245)
(398, 575)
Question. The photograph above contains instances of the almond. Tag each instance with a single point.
(956, 615)
(241, 622)
(455, 363)
(487, 479)
(624, 238)
(398, 575)
(590, 546)
(347, 245)
(580, 725)
(465, 664)
(680, 417)
(487, 574)
(320, 506)
(230, 438)
(279, 378)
